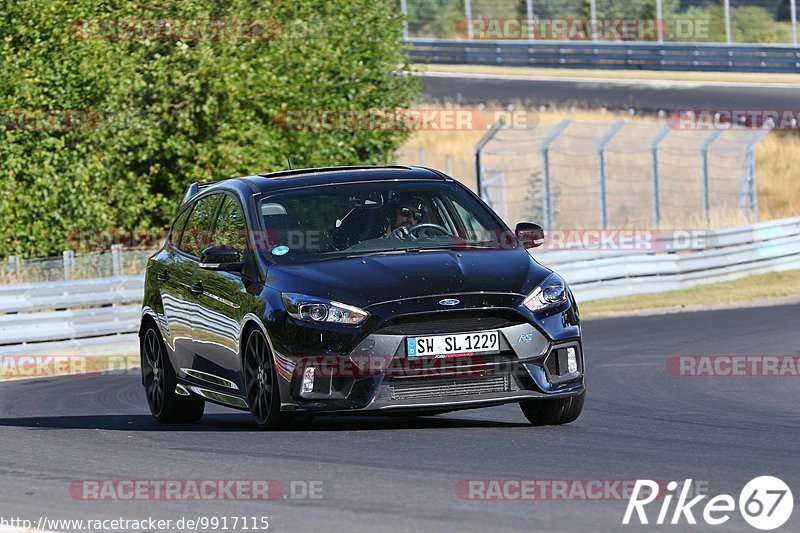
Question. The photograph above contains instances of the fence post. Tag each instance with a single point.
(547, 204)
(529, 23)
(601, 169)
(13, 263)
(68, 257)
(477, 154)
(660, 21)
(404, 11)
(468, 13)
(116, 259)
(749, 190)
(706, 181)
(660, 136)
(728, 21)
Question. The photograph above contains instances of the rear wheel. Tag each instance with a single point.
(263, 395)
(553, 412)
(160, 382)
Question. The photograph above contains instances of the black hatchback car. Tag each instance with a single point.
(354, 290)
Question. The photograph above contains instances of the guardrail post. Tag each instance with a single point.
(477, 154)
(547, 204)
(793, 6)
(116, 259)
(68, 258)
(601, 169)
(706, 181)
(660, 136)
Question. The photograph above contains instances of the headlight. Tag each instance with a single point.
(551, 293)
(313, 309)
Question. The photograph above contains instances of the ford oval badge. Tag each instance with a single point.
(449, 302)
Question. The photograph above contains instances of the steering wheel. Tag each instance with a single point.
(427, 230)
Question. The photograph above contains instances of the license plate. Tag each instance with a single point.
(485, 341)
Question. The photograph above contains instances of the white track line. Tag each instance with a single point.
(659, 84)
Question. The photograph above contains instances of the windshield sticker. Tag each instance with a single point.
(280, 250)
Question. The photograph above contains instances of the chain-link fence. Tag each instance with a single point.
(619, 175)
(115, 262)
(700, 21)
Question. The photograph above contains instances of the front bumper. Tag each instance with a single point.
(377, 376)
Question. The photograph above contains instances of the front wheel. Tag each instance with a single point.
(553, 412)
(159, 381)
(261, 381)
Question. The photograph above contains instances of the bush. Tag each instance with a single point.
(104, 131)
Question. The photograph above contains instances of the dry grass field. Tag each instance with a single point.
(777, 159)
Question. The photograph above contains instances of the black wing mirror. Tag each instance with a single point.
(529, 234)
(223, 258)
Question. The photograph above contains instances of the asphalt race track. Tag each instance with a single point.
(401, 473)
(645, 96)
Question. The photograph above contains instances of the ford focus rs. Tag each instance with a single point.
(354, 290)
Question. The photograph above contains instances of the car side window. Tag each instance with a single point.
(177, 227)
(197, 233)
(231, 228)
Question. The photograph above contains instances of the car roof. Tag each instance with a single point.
(290, 179)
(309, 177)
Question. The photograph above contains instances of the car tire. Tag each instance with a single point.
(158, 377)
(553, 412)
(261, 383)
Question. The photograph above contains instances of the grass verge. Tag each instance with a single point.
(759, 288)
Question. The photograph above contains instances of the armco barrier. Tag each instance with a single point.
(68, 311)
(604, 55)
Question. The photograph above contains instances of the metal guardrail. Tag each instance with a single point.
(634, 56)
(91, 309)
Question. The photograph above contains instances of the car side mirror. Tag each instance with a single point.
(223, 258)
(529, 234)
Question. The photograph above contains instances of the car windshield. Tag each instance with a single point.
(355, 219)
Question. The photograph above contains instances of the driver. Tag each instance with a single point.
(408, 212)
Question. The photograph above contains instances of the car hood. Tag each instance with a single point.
(369, 280)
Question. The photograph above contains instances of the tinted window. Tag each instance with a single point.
(197, 233)
(231, 228)
(177, 227)
(358, 218)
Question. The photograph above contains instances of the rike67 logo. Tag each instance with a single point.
(765, 503)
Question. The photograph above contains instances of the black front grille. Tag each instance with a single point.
(437, 388)
(448, 322)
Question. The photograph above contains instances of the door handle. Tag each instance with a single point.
(197, 288)
(163, 276)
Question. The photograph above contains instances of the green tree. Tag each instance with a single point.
(151, 115)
